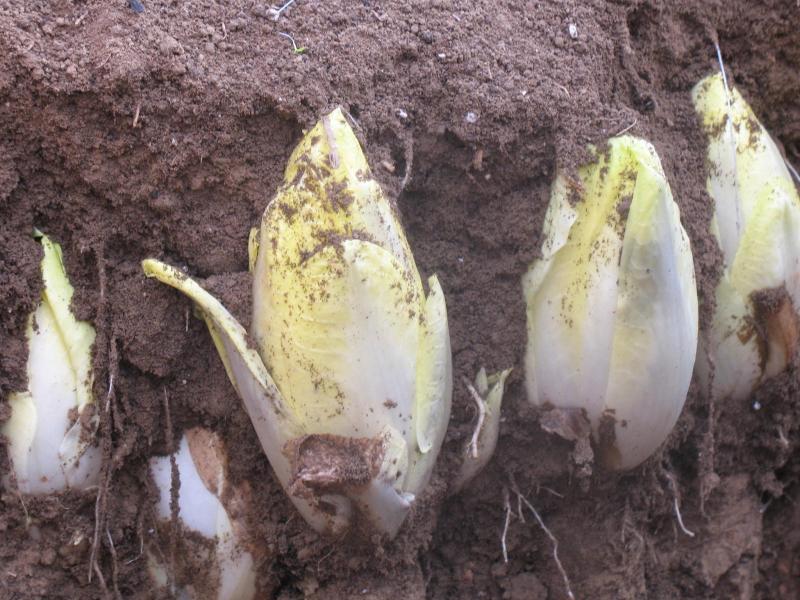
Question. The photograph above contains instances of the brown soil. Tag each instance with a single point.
(164, 133)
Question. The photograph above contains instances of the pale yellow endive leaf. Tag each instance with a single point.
(757, 224)
(612, 303)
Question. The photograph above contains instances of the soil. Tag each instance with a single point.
(164, 133)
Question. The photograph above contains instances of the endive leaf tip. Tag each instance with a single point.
(166, 273)
(337, 112)
(708, 84)
(150, 266)
(77, 336)
(643, 152)
(330, 149)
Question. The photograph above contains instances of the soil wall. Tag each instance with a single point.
(164, 133)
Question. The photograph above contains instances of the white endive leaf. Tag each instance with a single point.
(50, 449)
(228, 567)
(434, 383)
(383, 498)
(357, 342)
(742, 156)
(655, 337)
(571, 295)
(253, 243)
(328, 193)
(612, 303)
(757, 224)
(737, 363)
(434, 371)
(348, 317)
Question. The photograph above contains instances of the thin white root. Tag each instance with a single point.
(110, 391)
(175, 482)
(765, 506)
(114, 565)
(100, 578)
(722, 69)
(505, 526)
(549, 491)
(792, 170)
(22, 502)
(676, 504)
(95, 538)
(553, 540)
(408, 152)
(276, 11)
(628, 128)
(782, 438)
(680, 518)
(295, 48)
(481, 416)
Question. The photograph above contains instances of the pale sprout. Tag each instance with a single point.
(52, 430)
(612, 303)
(487, 394)
(755, 331)
(221, 566)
